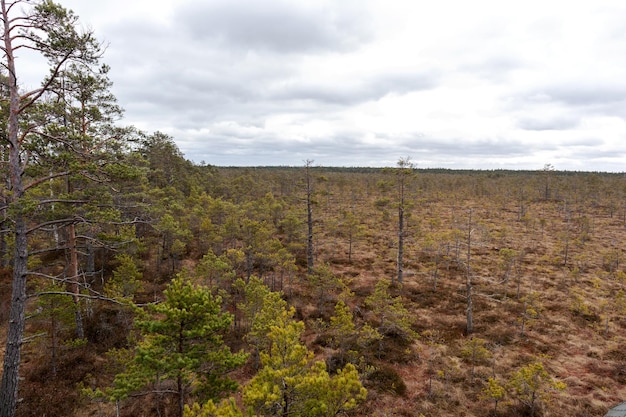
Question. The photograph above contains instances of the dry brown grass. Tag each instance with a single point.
(573, 344)
(573, 347)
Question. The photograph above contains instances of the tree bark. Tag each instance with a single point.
(65, 45)
(401, 240)
(17, 319)
(73, 280)
(405, 168)
(309, 211)
(468, 282)
(12, 355)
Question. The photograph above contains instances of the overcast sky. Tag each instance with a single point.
(450, 83)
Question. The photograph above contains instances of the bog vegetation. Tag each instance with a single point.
(149, 285)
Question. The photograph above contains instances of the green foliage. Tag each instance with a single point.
(332, 395)
(126, 280)
(182, 341)
(578, 303)
(175, 236)
(259, 245)
(262, 309)
(507, 259)
(494, 391)
(532, 385)
(351, 340)
(215, 270)
(167, 165)
(209, 409)
(531, 311)
(351, 228)
(474, 351)
(393, 317)
(291, 383)
(323, 283)
(291, 227)
(59, 36)
(56, 313)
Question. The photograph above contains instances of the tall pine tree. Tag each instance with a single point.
(51, 31)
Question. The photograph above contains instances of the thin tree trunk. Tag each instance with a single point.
(350, 248)
(73, 281)
(54, 341)
(532, 404)
(436, 269)
(4, 247)
(401, 240)
(181, 395)
(468, 283)
(179, 378)
(309, 211)
(566, 249)
(3, 244)
(249, 265)
(309, 251)
(91, 263)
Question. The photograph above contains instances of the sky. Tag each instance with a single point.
(450, 83)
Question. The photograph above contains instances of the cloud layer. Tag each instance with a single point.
(455, 84)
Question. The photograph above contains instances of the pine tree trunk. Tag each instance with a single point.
(401, 243)
(468, 283)
(12, 355)
(4, 247)
(309, 210)
(73, 281)
(53, 339)
(91, 263)
(309, 250)
(350, 248)
(3, 235)
(181, 395)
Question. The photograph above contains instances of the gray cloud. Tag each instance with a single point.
(353, 91)
(585, 95)
(278, 26)
(541, 123)
(452, 84)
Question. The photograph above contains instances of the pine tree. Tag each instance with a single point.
(55, 311)
(494, 391)
(292, 383)
(533, 386)
(346, 336)
(126, 280)
(182, 342)
(392, 315)
(310, 260)
(323, 283)
(405, 169)
(51, 32)
(261, 309)
(531, 311)
(474, 351)
(352, 229)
